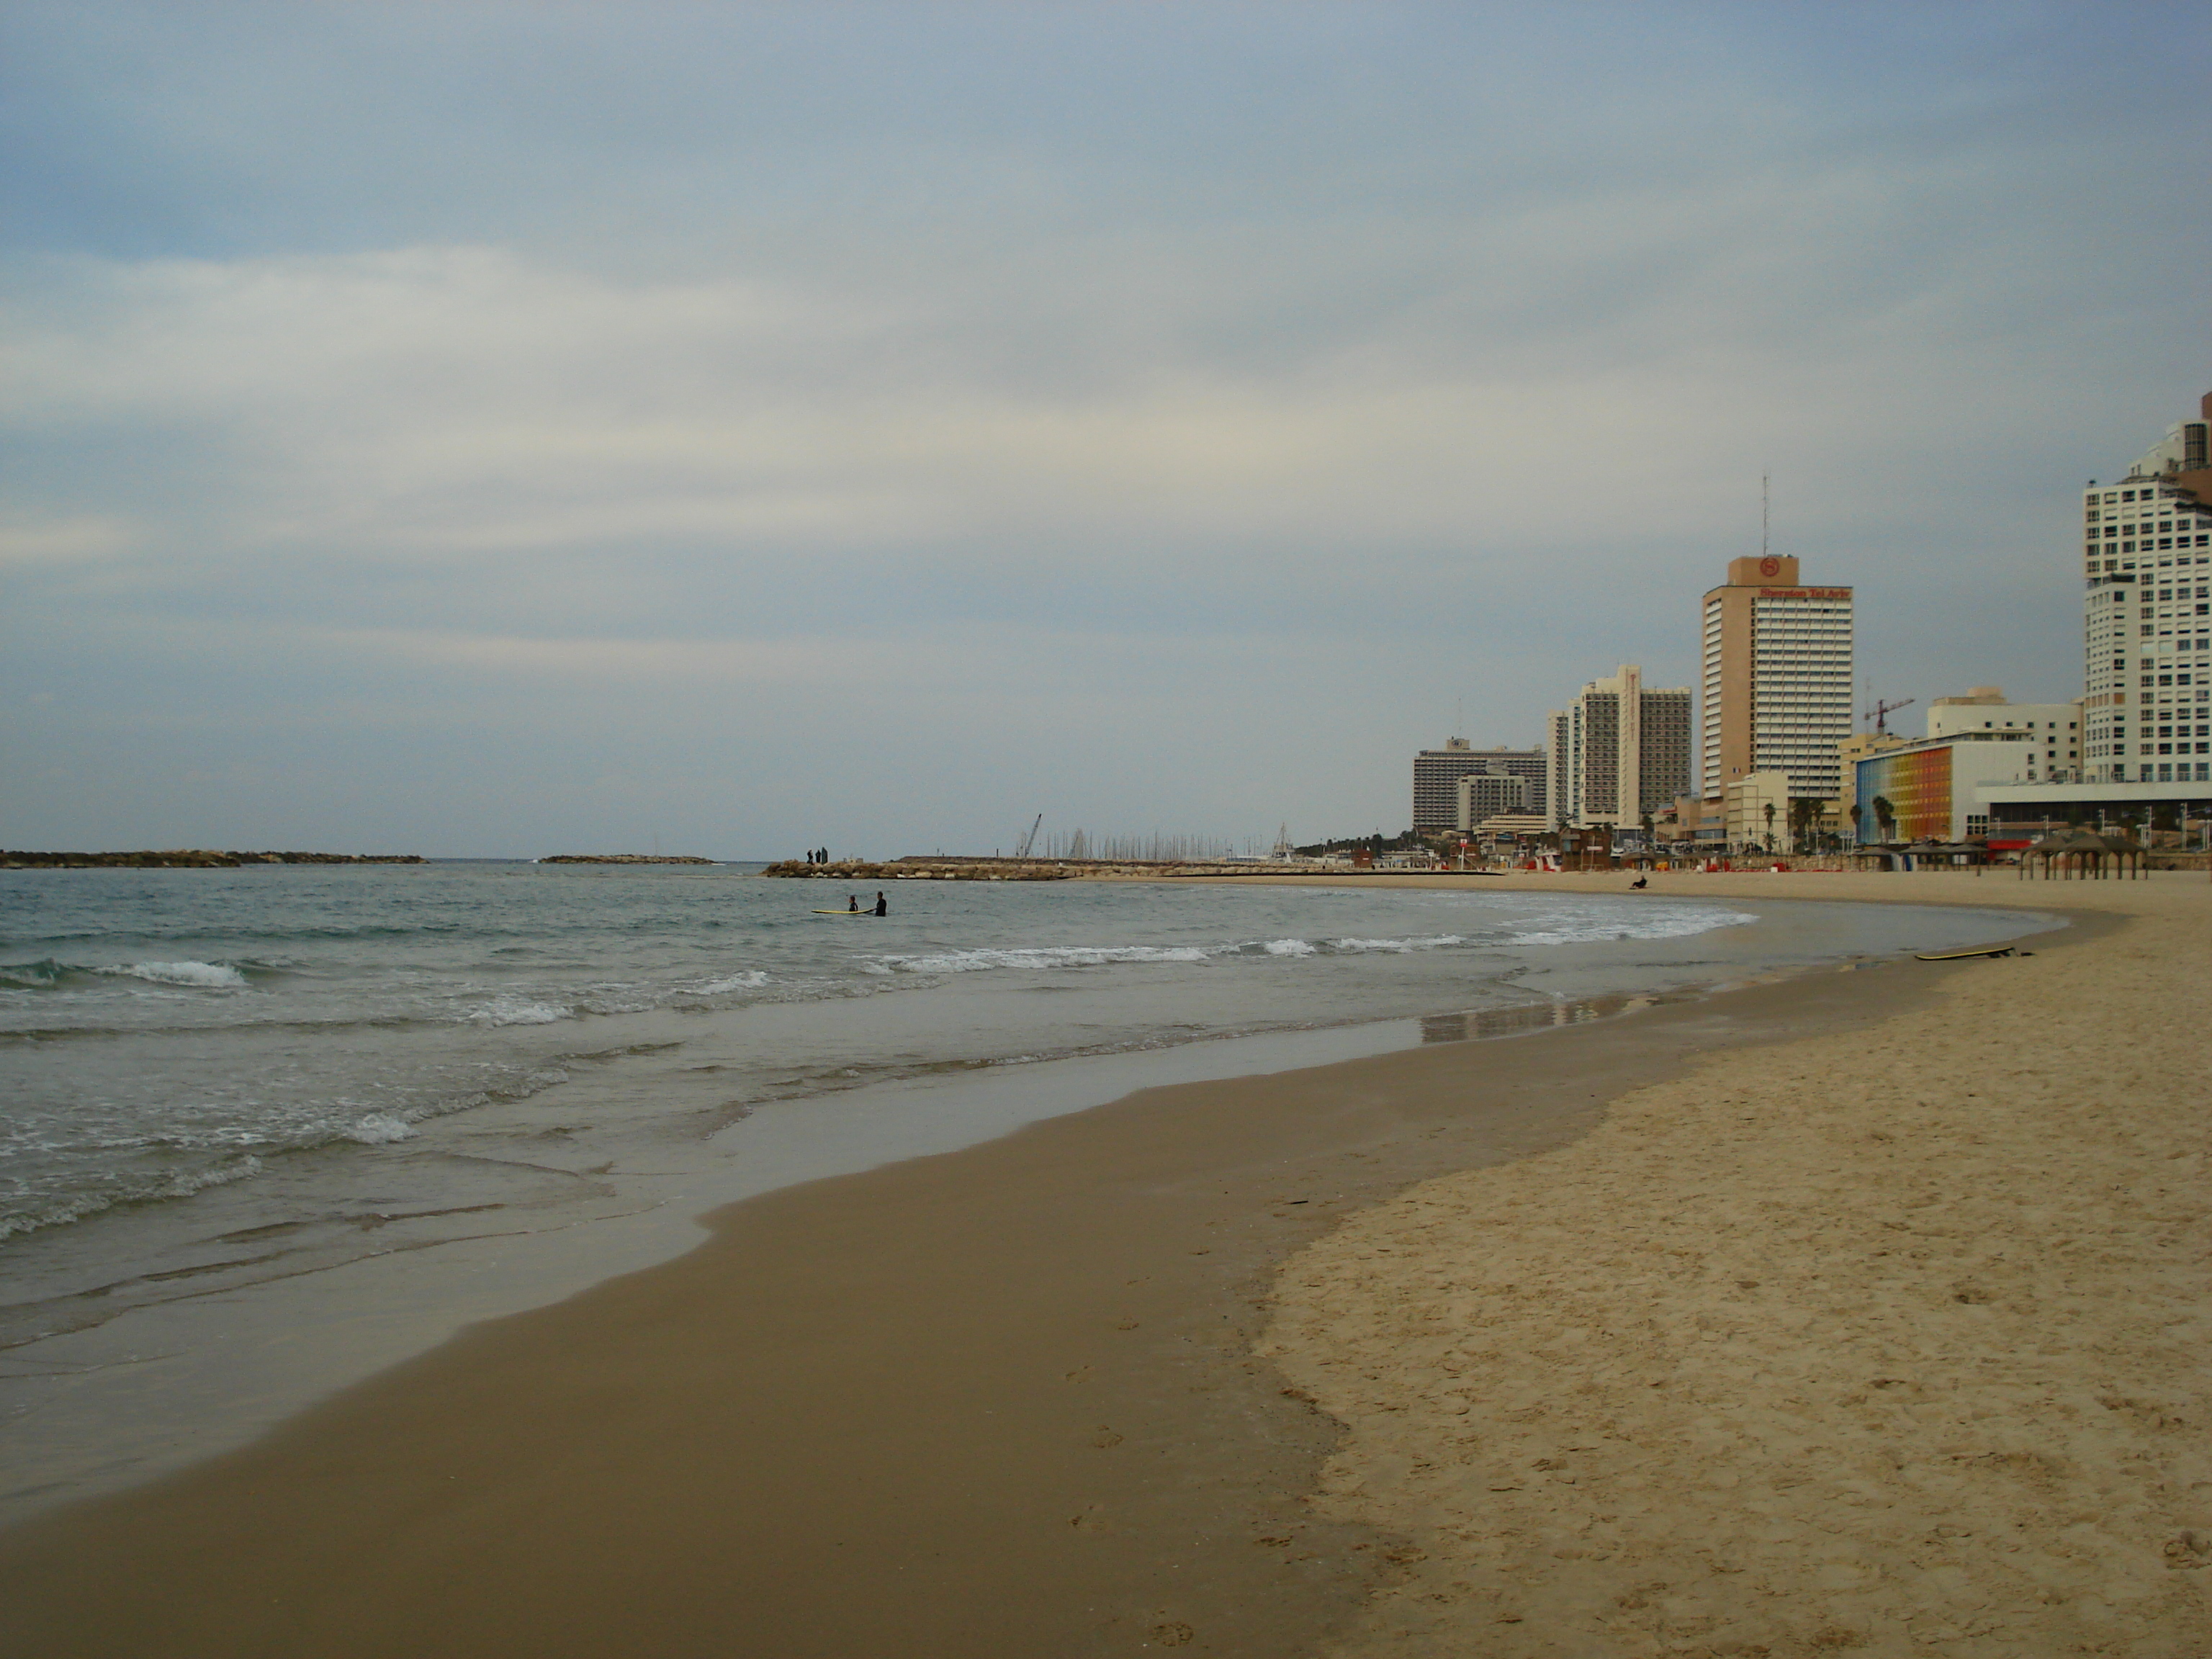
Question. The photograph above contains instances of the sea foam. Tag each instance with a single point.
(1071, 956)
(517, 1010)
(751, 980)
(1655, 924)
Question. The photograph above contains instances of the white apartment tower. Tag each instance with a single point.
(1777, 679)
(1618, 752)
(2147, 624)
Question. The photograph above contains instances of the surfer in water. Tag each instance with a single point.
(853, 903)
(883, 905)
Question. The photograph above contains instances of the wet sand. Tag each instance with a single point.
(1002, 1401)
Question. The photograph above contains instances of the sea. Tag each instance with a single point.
(264, 1130)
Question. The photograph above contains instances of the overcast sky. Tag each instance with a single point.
(481, 430)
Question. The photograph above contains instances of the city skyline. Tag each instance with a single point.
(472, 431)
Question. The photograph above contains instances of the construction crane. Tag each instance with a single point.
(1881, 711)
(1030, 840)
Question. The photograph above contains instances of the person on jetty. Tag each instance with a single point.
(883, 904)
(853, 903)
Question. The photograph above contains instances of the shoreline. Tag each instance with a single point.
(247, 1312)
(1095, 1275)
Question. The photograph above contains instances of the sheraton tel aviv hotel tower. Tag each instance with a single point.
(1777, 679)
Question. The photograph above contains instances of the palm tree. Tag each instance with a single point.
(1769, 826)
(1804, 813)
(1857, 812)
(1886, 816)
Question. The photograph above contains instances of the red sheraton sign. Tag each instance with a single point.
(1804, 592)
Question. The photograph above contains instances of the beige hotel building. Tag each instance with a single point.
(1776, 678)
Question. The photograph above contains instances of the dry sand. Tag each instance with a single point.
(1892, 1342)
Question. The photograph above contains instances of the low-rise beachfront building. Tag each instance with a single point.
(1757, 809)
(1926, 791)
(2018, 813)
(1514, 827)
(1437, 772)
(2147, 616)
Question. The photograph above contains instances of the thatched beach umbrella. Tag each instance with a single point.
(2083, 852)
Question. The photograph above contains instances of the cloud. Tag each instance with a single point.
(85, 537)
(469, 400)
(1035, 378)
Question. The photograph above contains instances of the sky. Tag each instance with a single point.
(504, 430)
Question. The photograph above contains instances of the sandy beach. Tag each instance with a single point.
(1890, 1341)
(1859, 1310)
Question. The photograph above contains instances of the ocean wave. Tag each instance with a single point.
(202, 975)
(1656, 924)
(1291, 947)
(752, 980)
(174, 1183)
(48, 974)
(1071, 956)
(1423, 942)
(517, 1010)
(379, 1129)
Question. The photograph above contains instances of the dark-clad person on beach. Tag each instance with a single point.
(883, 905)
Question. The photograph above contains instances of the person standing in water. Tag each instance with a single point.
(883, 905)
(853, 903)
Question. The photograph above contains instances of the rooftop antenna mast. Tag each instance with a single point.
(1763, 516)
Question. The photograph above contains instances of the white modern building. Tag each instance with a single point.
(2049, 732)
(1620, 753)
(2146, 625)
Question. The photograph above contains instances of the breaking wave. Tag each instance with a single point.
(751, 980)
(1656, 924)
(179, 1184)
(518, 1011)
(1072, 956)
(49, 975)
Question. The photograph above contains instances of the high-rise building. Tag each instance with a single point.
(1437, 772)
(1618, 752)
(1489, 794)
(1777, 679)
(2147, 622)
